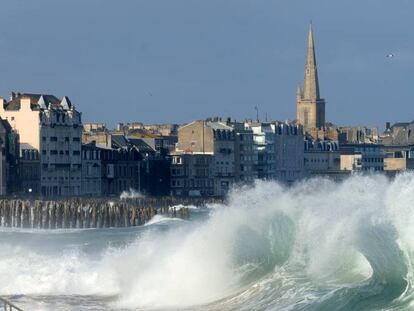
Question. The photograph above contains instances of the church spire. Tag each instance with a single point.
(310, 107)
(298, 93)
(311, 83)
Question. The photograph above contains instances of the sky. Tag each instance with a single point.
(174, 61)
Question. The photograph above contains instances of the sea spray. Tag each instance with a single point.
(318, 245)
(130, 194)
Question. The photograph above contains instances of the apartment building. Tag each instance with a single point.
(53, 127)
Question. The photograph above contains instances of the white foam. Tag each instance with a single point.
(195, 265)
(159, 219)
(131, 194)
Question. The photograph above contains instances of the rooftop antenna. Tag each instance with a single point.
(257, 113)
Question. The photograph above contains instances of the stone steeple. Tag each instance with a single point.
(298, 93)
(311, 83)
(310, 107)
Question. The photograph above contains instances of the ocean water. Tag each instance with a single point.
(318, 245)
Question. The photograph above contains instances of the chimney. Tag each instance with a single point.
(387, 125)
(12, 95)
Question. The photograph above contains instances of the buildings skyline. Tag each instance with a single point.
(48, 151)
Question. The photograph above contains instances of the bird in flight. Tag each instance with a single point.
(390, 55)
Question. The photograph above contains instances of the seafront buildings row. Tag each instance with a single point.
(47, 151)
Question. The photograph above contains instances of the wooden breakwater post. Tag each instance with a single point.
(81, 213)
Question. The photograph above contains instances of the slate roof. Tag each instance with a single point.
(14, 104)
(141, 145)
(123, 142)
(401, 124)
(119, 141)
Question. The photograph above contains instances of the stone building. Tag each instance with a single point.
(192, 174)
(154, 167)
(53, 127)
(310, 107)
(327, 132)
(357, 135)
(322, 158)
(149, 160)
(362, 157)
(398, 158)
(289, 152)
(121, 170)
(224, 157)
(3, 163)
(9, 154)
(155, 129)
(217, 139)
(245, 153)
(399, 134)
(161, 144)
(242, 151)
(92, 172)
(111, 171)
(29, 170)
(96, 132)
(280, 150)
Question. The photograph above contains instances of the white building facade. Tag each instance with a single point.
(53, 127)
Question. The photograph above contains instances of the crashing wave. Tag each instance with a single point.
(318, 245)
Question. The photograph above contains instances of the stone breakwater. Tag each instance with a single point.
(91, 213)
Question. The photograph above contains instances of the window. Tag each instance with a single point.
(53, 138)
(76, 139)
(76, 152)
(66, 138)
(44, 152)
(53, 152)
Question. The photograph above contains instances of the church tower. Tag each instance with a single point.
(310, 107)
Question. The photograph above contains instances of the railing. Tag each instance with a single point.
(8, 306)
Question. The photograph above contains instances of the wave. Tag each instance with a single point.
(160, 220)
(318, 245)
(130, 194)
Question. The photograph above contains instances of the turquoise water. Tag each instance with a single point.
(316, 246)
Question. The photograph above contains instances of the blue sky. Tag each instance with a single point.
(179, 60)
